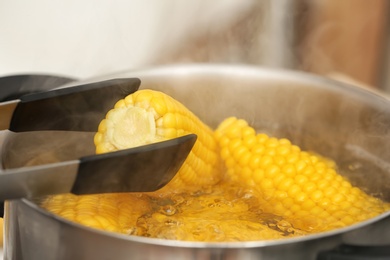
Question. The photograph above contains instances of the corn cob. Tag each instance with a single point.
(300, 186)
(110, 212)
(148, 116)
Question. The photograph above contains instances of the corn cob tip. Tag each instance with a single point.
(149, 116)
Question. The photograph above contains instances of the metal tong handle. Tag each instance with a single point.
(76, 108)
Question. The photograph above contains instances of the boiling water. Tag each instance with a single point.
(222, 213)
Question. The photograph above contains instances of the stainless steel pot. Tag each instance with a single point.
(346, 123)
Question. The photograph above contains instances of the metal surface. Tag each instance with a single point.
(348, 124)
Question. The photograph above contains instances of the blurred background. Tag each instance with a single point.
(347, 40)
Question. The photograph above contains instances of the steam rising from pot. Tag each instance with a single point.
(42, 147)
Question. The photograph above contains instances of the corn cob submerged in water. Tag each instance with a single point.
(267, 185)
(299, 186)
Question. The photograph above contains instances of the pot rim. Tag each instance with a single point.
(227, 69)
(184, 69)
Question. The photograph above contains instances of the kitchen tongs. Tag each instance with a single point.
(81, 108)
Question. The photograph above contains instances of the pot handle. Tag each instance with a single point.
(356, 252)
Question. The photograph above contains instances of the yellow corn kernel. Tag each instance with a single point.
(306, 189)
(149, 116)
(112, 212)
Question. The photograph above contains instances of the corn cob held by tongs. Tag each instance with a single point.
(81, 108)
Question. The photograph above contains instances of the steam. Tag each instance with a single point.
(363, 154)
(259, 33)
(42, 147)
